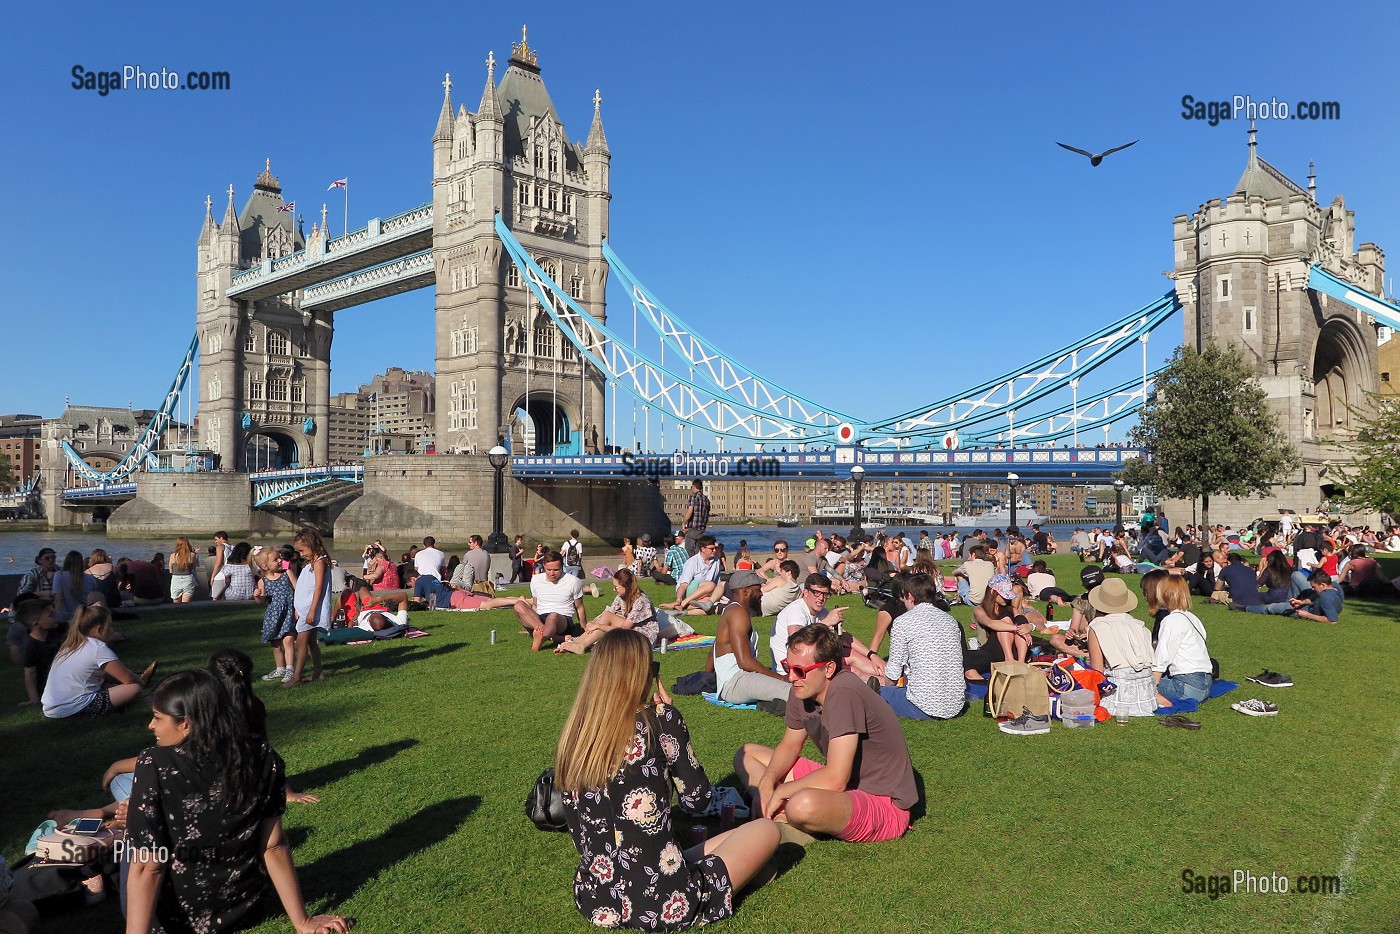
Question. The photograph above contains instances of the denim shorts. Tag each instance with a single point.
(1193, 685)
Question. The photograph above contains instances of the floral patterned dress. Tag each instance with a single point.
(642, 617)
(279, 620)
(214, 875)
(632, 872)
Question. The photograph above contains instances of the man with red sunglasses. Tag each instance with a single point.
(866, 788)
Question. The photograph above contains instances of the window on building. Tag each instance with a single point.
(553, 161)
(539, 158)
(568, 203)
(250, 343)
(277, 389)
(575, 287)
(277, 344)
(553, 199)
(544, 340)
(522, 195)
(298, 391)
(256, 389)
(1222, 288)
(216, 343)
(303, 349)
(1250, 324)
(513, 276)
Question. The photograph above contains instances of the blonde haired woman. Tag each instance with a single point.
(617, 761)
(77, 684)
(183, 564)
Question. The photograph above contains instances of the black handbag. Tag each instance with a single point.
(545, 805)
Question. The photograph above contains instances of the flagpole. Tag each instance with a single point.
(345, 228)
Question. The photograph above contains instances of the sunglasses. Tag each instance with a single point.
(801, 671)
(781, 551)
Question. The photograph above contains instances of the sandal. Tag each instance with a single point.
(1181, 722)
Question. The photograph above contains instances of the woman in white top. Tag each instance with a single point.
(1182, 667)
(77, 681)
(1121, 647)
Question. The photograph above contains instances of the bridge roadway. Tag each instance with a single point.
(1032, 465)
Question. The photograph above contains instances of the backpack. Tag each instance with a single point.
(571, 553)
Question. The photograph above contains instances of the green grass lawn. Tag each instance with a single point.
(423, 751)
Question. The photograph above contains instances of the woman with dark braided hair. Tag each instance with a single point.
(204, 835)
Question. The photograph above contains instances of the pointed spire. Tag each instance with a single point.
(444, 124)
(207, 230)
(1312, 181)
(1253, 142)
(489, 109)
(230, 215)
(597, 140)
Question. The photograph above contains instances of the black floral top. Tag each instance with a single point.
(214, 875)
(632, 871)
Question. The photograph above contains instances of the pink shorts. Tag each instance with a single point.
(873, 817)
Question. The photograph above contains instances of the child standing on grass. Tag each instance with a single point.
(312, 604)
(279, 620)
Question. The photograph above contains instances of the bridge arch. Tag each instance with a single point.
(1340, 375)
(269, 447)
(545, 424)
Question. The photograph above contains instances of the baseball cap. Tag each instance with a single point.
(741, 579)
(1091, 576)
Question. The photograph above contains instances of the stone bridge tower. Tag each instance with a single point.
(1241, 271)
(497, 352)
(264, 366)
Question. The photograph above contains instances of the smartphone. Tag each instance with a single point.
(86, 825)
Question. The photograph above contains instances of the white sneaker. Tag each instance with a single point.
(287, 674)
(1256, 708)
(275, 674)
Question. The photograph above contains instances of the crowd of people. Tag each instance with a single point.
(625, 748)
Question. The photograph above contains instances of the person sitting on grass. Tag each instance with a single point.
(780, 591)
(40, 646)
(1003, 631)
(972, 576)
(212, 786)
(1043, 586)
(812, 608)
(1182, 667)
(632, 609)
(555, 606)
(1121, 648)
(926, 650)
(698, 587)
(77, 680)
(624, 751)
(866, 788)
(1362, 576)
(740, 677)
(1322, 604)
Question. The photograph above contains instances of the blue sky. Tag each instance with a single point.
(863, 202)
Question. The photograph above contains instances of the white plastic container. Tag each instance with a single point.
(1077, 709)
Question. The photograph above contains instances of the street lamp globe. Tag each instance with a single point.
(498, 456)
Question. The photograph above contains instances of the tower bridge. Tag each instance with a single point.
(514, 242)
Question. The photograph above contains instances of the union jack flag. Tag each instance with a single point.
(287, 208)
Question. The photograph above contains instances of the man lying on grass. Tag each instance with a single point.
(865, 790)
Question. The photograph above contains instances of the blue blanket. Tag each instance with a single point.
(714, 699)
(1217, 688)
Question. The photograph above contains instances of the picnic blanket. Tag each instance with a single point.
(695, 640)
(1217, 688)
(714, 699)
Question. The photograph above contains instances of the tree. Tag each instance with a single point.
(1372, 479)
(7, 478)
(1209, 430)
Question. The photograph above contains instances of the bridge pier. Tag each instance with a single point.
(449, 496)
(194, 503)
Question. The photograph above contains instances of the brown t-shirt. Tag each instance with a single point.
(882, 765)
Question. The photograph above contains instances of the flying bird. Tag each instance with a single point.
(1095, 159)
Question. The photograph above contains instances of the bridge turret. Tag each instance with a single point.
(489, 122)
(442, 134)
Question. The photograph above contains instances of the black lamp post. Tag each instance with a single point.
(1118, 506)
(857, 474)
(1015, 481)
(496, 543)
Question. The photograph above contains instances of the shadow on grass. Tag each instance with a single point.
(333, 771)
(385, 658)
(337, 876)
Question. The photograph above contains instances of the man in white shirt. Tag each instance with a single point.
(572, 553)
(555, 607)
(972, 576)
(698, 587)
(809, 608)
(429, 563)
